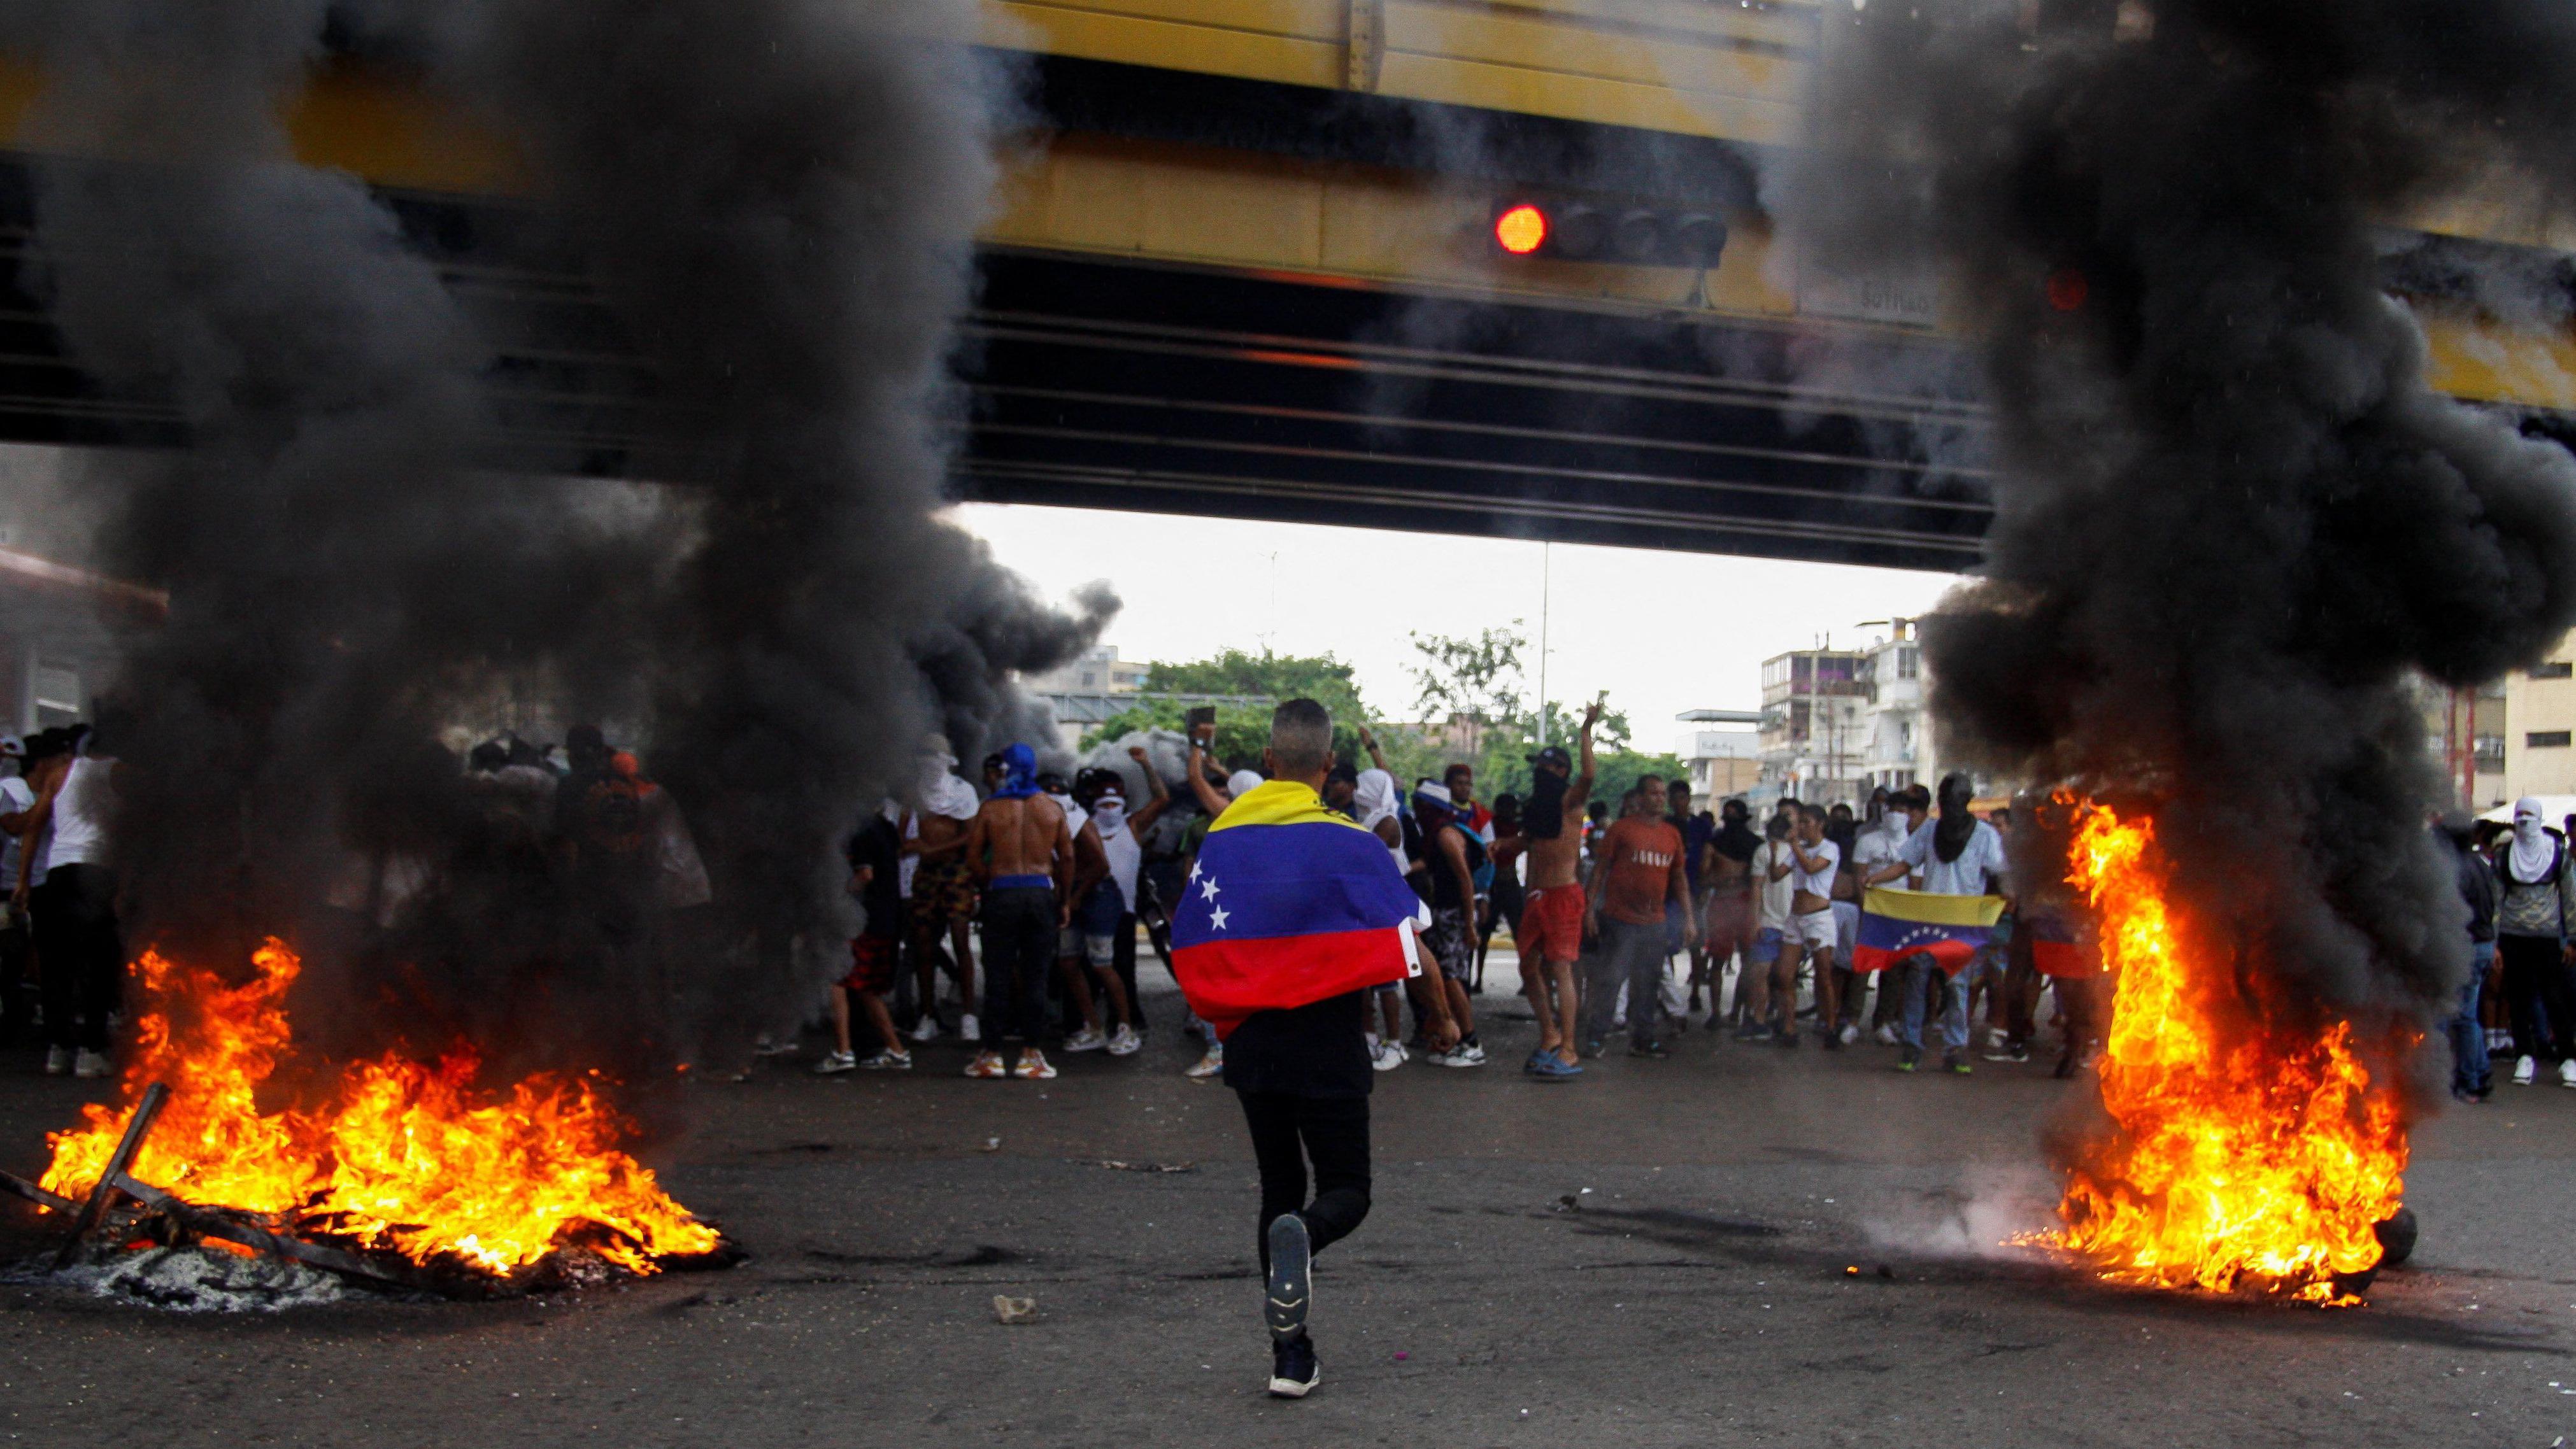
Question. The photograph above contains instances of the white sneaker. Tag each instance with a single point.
(928, 1030)
(1850, 1033)
(1207, 1066)
(885, 1061)
(92, 1064)
(967, 1030)
(1886, 1035)
(2522, 1071)
(1088, 1039)
(1124, 1042)
(2567, 1072)
(835, 1063)
(58, 1061)
(1385, 1056)
(1474, 1055)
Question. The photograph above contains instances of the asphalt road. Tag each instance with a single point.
(1699, 1289)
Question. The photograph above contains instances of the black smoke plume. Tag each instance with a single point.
(779, 197)
(2231, 517)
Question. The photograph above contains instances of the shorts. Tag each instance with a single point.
(1551, 926)
(1765, 948)
(943, 894)
(1450, 943)
(1729, 921)
(1815, 930)
(872, 964)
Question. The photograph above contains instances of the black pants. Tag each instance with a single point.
(1019, 956)
(78, 953)
(13, 977)
(2536, 995)
(1287, 1133)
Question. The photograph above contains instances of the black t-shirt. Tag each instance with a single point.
(877, 847)
(1316, 1050)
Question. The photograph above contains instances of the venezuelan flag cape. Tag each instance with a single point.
(1895, 924)
(1289, 904)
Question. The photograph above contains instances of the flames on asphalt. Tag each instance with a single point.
(393, 1155)
(2245, 1154)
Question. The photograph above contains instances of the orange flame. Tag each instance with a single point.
(2241, 1161)
(404, 1156)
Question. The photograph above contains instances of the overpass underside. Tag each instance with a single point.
(1260, 283)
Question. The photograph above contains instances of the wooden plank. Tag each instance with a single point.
(1790, 23)
(1587, 98)
(1433, 28)
(1301, 19)
(1024, 24)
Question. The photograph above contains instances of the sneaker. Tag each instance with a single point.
(927, 1029)
(1469, 1054)
(2008, 1051)
(1124, 1042)
(1592, 1049)
(2465, 1097)
(967, 1030)
(1386, 1056)
(1886, 1035)
(1753, 1031)
(835, 1063)
(1034, 1067)
(1292, 1279)
(1909, 1058)
(2499, 1041)
(92, 1064)
(58, 1061)
(1787, 1039)
(1956, 1063)
(2567, 1072)
(887, 1062)
(1207, 1066)
(1654, 1049)
(1088, 1039)
(1831, 1041)
(988, 1067)
(767, 1046)
(1850, 1034)
(1293, 1370)
(2522, 1071)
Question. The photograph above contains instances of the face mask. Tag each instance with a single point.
(1111, 813)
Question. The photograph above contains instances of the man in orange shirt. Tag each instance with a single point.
(1640, 869)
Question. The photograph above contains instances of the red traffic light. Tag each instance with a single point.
(1521, 230)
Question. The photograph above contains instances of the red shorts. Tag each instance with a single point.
(872, 964)
(1551, 926)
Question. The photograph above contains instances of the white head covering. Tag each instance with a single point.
(1373, 797)
(1109, 813)
(1244, 782)
(2532, 847)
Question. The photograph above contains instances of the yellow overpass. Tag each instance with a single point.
(1249, 271)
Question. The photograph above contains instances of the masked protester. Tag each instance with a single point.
(2539, 896)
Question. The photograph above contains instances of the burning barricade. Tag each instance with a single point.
(390, 1170)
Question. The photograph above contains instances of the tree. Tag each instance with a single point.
(1242, 732)
(1478, 681)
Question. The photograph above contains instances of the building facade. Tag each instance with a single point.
(1896, 732)
(1815, 706)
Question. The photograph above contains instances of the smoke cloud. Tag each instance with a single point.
(2231, 515)
(778, 195)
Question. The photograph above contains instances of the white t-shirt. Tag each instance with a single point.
(1878, 846)
(1776, 896)
(17, 797)
(81, 810)
(1966, 876)
(1815, 882)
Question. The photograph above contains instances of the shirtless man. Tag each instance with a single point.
(1022, 852)
(1551, 934)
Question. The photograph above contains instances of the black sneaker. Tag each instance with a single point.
(1908, 1058)
(1654, 1049)
(1292, 1280)
(1956, 1063)
(1293, 1370)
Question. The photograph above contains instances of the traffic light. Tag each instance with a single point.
(1572, 229)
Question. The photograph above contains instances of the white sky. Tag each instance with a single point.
(1663, 632)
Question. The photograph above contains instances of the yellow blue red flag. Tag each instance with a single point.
(1289, 904)
(1895, 924)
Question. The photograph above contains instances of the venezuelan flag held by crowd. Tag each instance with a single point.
(1895, 924)
(1289, 904)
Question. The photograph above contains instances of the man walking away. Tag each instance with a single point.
(2531, 936)
(1292, 914)
(1020, 849)
(1640, 878)
(1554, 908)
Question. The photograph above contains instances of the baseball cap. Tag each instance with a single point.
(12, 747)
(1552, 755)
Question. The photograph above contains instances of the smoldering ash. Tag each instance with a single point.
(779, 194)
(2232, 515)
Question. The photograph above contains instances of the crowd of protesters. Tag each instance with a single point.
(1634, 919)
